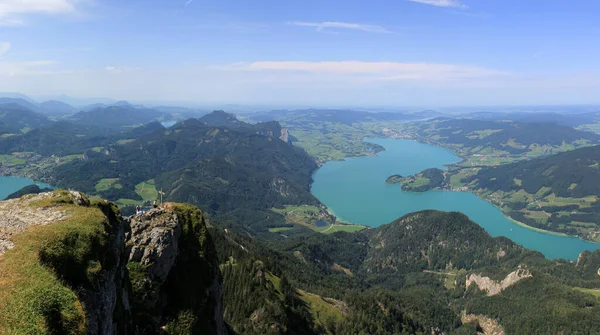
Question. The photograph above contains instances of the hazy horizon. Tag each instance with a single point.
(83, 101)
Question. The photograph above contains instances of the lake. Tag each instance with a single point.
(355, 191)
(10, 185)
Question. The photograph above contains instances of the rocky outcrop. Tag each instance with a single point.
(282, 187)
(487, 325)
(19, 214)
(493, 287)
(338, 268)
(174, 272)
(588, 263)
(154, 244)
(285, 135)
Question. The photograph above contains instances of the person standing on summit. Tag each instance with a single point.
(155, 205)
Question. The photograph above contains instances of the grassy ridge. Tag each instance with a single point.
(34, 297)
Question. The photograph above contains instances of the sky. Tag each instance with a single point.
(309, 52)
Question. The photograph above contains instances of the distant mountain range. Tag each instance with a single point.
(571, 120)
(121, 115)
(16, 119)
(343, 116)
(61, 106)
(512, 137)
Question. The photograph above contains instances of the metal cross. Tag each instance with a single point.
(161, 195)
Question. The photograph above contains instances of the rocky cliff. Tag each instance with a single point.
(69, 265)
(176, 281)
(493, 287)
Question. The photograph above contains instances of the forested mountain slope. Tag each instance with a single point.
(21, 102)
(483, 142)
(227, 120)
(434, 272)
(18, 119)
(55, 107)
(63, 138)
(568, 174)
(240, 173)
(116, 116)
(564, 185)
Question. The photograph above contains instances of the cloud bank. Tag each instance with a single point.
(374, 70)
(11, 11)
(320, 26)
(441, 3)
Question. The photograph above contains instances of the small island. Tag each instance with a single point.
(424, 181)
(30, 189)
(394, 179)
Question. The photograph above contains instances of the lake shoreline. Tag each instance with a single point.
(356, 189)
(519, 223)
(524, 225)
(543, 231)
(16, 183)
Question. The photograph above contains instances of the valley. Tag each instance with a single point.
(481, 143)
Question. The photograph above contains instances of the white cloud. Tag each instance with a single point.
(11, 10)
(112, 69)
(441, 3)
(31, 6)
(188, 2)
(117, 70)
(4, 47)
(320, 26)
(384, 71)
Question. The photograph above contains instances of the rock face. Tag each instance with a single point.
(285, 135)
(108, 310)
(174, 272)
(154, 239)
(493, 287)
(588, 263)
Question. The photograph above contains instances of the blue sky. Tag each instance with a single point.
(369, 53)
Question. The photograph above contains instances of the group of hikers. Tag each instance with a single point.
(140, 211)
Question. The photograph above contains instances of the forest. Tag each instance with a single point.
(406, 277)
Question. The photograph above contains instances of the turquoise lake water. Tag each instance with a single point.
(10, 185)
(355, 190)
